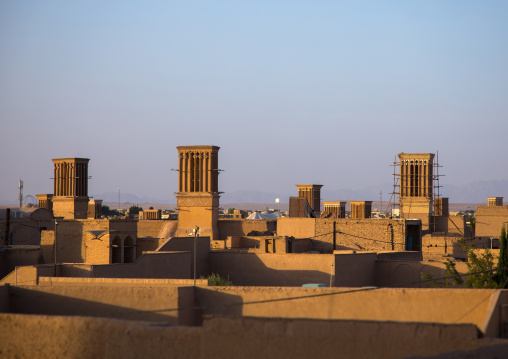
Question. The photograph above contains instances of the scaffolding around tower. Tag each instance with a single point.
(416, 187)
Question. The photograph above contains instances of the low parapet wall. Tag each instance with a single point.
(447, 306)
(186, 305)
(156, 304)
(224, 338)
(120, 282)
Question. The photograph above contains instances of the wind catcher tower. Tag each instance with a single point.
(198, 190)
(418, 188)
(70, 199)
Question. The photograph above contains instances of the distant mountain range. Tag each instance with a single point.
(112, 197)
(475, 192)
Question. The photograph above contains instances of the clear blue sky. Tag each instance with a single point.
(293, 92)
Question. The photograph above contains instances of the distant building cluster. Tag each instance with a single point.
(65, 257)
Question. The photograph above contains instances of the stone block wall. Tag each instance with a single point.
(360, 234)
(351, 234)
(445, 243)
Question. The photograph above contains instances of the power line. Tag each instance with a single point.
(363, 289)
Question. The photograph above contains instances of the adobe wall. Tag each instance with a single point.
(158, 303)
(355, 269)
(4, 300)
(241, 242)
(12, 257)
(408, 273)
(26, 275)
(25, 231)
(69, 240)
(186, 244)
(445, 243)
(448, 243)
(351, 234)
(426, 305)
(124, 225)
(360, 234)
(457, 224)
(75, 243)
(147, 244)
(497, 316)
(120, 282)
(47, 249)
(96, 250)
(150, 228)
(296, 227)
(252, 269)
(223, 338)
(489, 220)
(236, 227)
(177, 265)
(155, 304)
(441, 224)
(267, 244)
(306, 338)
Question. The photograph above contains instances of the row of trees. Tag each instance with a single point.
(108, 212)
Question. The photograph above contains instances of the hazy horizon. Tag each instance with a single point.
(292, 92)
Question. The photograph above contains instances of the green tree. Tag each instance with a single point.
(231, 211)
(502, 263)
(481, 272)
(480, 268)
(451, 273)
(452, 277)
(135, 209)
(106, 211)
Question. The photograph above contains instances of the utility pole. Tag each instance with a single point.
(196, 235)
(334, 236)
(20, 197)
(7, 226)
(56, 223)
(331, 275)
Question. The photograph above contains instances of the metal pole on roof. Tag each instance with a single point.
(20, 197)
(331, 274)
(196, 235)
(56, 224)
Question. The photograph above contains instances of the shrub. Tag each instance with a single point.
(217, 280)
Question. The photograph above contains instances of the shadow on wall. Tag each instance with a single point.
(327, 247)
(173, 306)
(168, 230)
(251, 269)
(140, 303)
(214, 302)
(186, 244)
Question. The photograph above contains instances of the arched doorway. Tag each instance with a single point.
(116, 250)
(128, 247)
